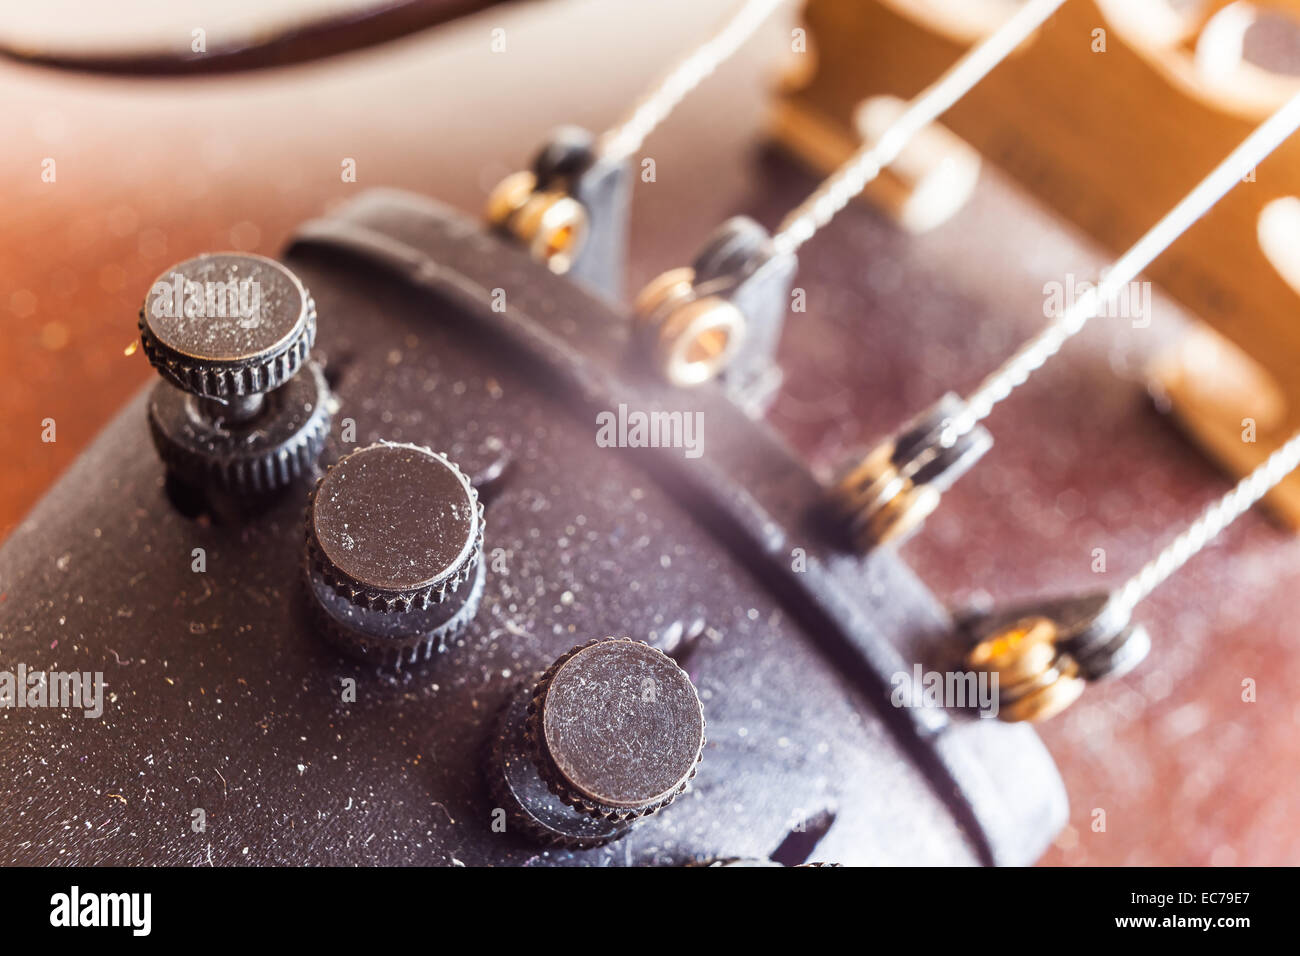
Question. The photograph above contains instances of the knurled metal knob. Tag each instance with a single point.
(394, 541)
(394, 528)
(616, 728)
(611, 732)
(227, 325)
(229, 333)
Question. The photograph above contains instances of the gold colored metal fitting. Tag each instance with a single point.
(692, 338)
(551, 224)
(878, 503)
(1036, 680)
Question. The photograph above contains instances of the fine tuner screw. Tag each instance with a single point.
(1036, 680)
(691, 337)
(721, 317)
(230, 334)
(1046, 654)
(394, 539)
(538, 206)
(611, 732)
(888, 494)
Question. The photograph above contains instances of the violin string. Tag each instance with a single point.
(862, 167)
(1034, 353)
(835, 193)
(1212, 522)
(654, 107)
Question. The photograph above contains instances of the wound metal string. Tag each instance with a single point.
(1034, 354)
(866, 164)
(623, 140)
(1208, 526)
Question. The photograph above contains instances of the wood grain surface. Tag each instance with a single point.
(152, 171)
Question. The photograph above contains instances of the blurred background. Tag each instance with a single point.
(149, 170)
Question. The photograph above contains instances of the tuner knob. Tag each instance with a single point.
(888, 494)
(229, 334)
(1045, 653)
(690, 337)
(394, 532)
(611, 732)
(721, 317)
(539, 208)
(1037, 679)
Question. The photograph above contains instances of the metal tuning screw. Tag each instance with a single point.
(721, 317)
(611, 732)
(1045, 655)
(569, 211)
(1036, 679)
(693, 337)
(394, 541)
(888, 494)
(240, 407)
(538, 208)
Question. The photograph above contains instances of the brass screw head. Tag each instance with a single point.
(878, 503)
(551, 224)
(1035, 679)
(509, 196)
(691, 338)
(1046, 701)
(1018, 653)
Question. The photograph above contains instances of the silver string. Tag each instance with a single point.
(865, 165)
(1034, 354)
(1207, 527)
(652, 109)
